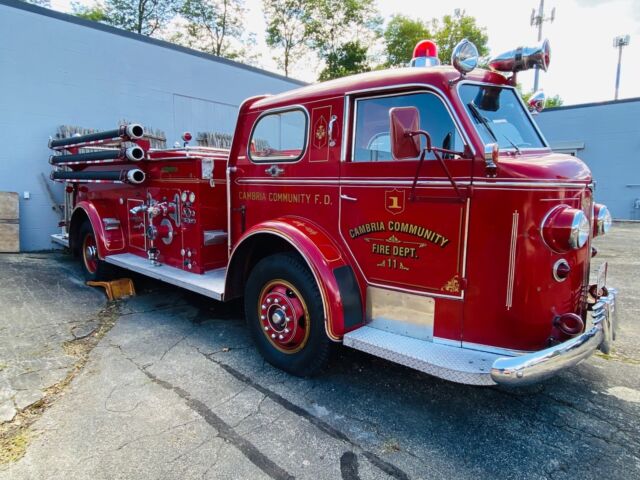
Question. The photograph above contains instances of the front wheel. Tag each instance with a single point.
(285, 315)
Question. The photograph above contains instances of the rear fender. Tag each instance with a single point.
(335, 278)
(108, 241)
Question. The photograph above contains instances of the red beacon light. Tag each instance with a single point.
(425, 54)
(186, 138)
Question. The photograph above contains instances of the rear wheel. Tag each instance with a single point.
(285, 315)
(92, 266)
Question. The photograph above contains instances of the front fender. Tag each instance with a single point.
(108, 241)
(341, 294)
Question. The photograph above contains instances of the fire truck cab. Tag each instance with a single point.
(417, 214)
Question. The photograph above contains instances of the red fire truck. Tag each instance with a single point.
(417, 214)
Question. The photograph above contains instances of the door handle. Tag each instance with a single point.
(332, 142)
(347, 197)
(274, 171)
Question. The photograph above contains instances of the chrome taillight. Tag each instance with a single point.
(565, 228)
(601, 219)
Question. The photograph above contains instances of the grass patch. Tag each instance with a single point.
(13, 448)
(619, 358)
(15, 435)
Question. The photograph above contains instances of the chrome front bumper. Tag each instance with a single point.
(536, 366)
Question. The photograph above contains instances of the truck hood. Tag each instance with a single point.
(546, 166)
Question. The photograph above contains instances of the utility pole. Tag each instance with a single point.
(537, 20)
(620, 42)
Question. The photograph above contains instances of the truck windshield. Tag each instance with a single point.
(499, 117)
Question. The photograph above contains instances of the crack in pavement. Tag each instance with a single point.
(225, 431)
(325, 427)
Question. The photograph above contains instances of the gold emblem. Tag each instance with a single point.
(320, 134)
(394, 201)
(452, 286)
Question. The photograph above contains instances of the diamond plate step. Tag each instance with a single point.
(456, 364)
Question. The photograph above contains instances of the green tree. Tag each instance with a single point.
(287, 30)
(453, 28)
(400, 37)
(214, 25)
(550, 102)
(95, 12)
(339, 30)
(145, 17)
(346, 60)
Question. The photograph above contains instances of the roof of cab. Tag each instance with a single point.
(438, 77)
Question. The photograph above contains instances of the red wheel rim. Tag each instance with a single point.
(284, 317)
(90, 253)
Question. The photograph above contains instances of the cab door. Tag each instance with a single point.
(400, 237)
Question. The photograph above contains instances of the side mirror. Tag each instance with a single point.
(537, 102)
(404, 125)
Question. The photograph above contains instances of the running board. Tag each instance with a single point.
(209, 284)
(60, 239)
(452, 363)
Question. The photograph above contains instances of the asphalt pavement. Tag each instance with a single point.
(175, 389)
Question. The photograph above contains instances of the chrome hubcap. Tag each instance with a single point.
(90, 252)
(283, 316)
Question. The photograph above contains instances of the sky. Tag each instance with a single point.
(583, 59)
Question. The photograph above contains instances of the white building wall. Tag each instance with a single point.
(57, 69)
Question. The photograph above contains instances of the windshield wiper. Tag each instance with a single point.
(517, 149)
(481, 119)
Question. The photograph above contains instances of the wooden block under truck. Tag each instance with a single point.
(417, 214)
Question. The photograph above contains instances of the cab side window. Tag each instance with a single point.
(279, 136)
(372, 140)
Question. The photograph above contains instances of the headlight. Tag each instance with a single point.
(601, 219)
(565, 228)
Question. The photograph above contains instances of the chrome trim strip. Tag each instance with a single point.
(510, 352)
(372, 181)
(447, 341)
(512, 259)
(301, 181)
(466, 241)
(228, 172)
(345, 128)
(530, 184)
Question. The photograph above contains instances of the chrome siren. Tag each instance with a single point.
(523, 58)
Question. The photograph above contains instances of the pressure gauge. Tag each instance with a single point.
(183, 197)
(192, 197)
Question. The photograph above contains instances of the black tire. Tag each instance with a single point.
(305, 358)
(93, 268)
